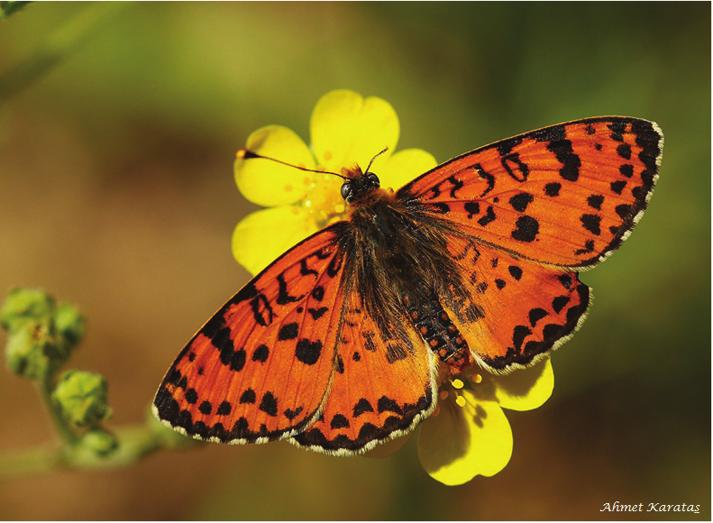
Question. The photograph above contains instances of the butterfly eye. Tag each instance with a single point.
(347, 191)
(373, 179)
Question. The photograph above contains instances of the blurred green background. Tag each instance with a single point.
(118, 126)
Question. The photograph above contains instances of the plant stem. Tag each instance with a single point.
(33, 461)
(45, 386)
(135, 442)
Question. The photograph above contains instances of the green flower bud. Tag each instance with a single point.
(100, 442)
(42, 334)
(69, 324)
(22, 305)
(29, 351)
(82, 397)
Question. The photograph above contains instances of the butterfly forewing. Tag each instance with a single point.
(564, 195)
(260, 368)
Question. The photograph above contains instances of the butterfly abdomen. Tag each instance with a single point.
(440, 333)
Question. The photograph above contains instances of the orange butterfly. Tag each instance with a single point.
(339, 343)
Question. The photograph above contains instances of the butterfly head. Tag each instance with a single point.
(360, 183)
(358, 186)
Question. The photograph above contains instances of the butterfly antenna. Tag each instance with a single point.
(247, 154)
(375, 157)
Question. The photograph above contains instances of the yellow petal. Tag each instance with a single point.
(262, 236)
(403, 167)
(348, 129)
(268, 183)
(525, 389)
(461, 443)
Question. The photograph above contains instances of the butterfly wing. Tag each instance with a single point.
(383, 386)
(260, 368)
(516, 310)
(564, 195)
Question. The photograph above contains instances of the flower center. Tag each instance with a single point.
(453, 387)
(323, 201)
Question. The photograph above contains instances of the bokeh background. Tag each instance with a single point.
(118, 126)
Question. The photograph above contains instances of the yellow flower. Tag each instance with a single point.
(346, 129)
(468, 435)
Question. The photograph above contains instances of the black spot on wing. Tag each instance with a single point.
(288, 332)
(307, 351)
(627, 170)
(191, 396)
(526, 230)
(318, 293)
(519, 333)
(472, 208)
(515, 271)
(261, 353)
(339, 421)
(317, 313)
(248, 396)
(268, 404)
(588, 247)
(595, 201)
(591, 222)
(553, 189)
(624, 150)
(222, 341)
(292, 414)
(565, 280)
(387, 404)
(536, 315)
(618, 186)
(520, 201)
(488, 218)
(362, 406)
(559, 302)
(565, 154)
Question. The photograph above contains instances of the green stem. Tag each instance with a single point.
(33, 461)
(135, 442)
(46, 385)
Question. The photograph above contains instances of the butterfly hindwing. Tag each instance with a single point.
(260, 368)
(564, 195)
(382, 387)
(516, 310)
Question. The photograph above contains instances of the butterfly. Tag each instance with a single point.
(342, 341)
